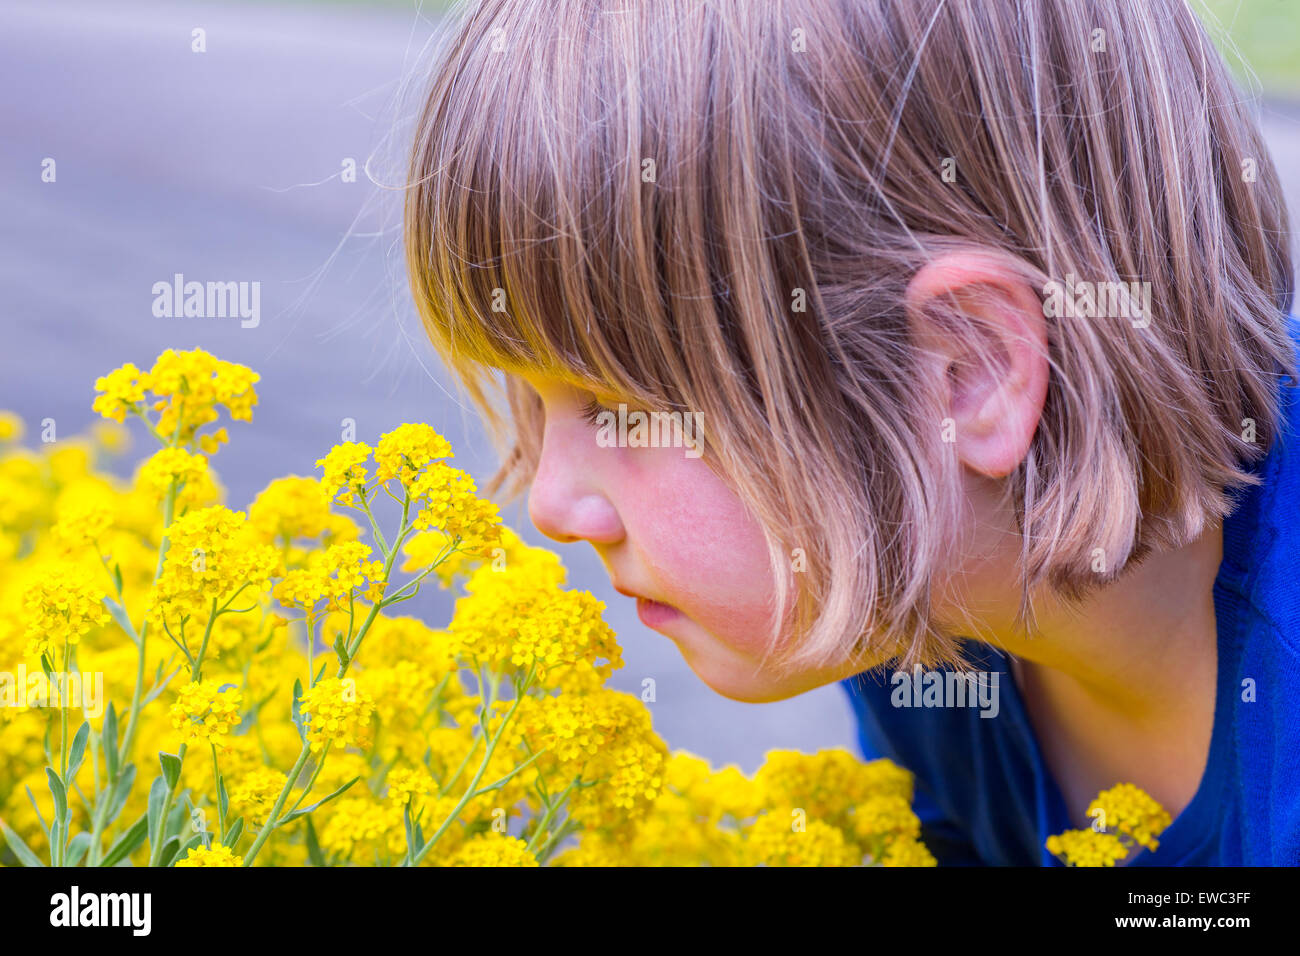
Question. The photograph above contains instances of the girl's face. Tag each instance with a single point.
(671, 533)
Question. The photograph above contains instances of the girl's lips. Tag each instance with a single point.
(653, 614)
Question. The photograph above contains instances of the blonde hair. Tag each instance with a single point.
(796, 147)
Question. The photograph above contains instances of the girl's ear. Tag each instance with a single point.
(982, 340)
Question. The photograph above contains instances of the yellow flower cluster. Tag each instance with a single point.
(187, 470)
(187, 387)
(1133, 812)
(217, 855)
(407, 450)
(253, 794)
(496, 739)
(494, 849)
(293, 508)
(205, 711)
(358, 824)
(1087, 848)
(516, 619)
(345, 472)
(336, 712)
(1125, 817)
(774, 840)
(84, 521)
(451, 506)
(336, 576)
(211, 557)
(406, 784)
(62, 605)
(786, 815)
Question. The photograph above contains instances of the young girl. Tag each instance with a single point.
(983, 310)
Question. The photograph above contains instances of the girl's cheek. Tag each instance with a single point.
(701, 547)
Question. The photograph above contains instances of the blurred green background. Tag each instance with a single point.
(1262, 36)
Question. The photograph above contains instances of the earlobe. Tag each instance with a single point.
(983, 335)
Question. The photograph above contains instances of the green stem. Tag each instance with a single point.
(551, 807)
(279, 805)
(482, 768)
(155, 852)
(133, 721)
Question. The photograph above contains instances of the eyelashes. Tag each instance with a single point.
(591, 412)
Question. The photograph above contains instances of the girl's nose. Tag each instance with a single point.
(566, 501)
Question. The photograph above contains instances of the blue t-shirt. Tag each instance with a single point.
(984, 793)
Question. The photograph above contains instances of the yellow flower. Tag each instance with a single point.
(407, 450)
(292, 508)
(405, 784)
(189, 472)
(11, 426)
(908, 853)
(62, 605)
(217, 856)
(334, 710)
(338, 575)
(121, 391)
(110, 436)
(1133, 812)
(772, 840)
(189, 386)
(345, 472)
(494, 849)
(358, 823)
(212, 555)
(885, 820)
(1087, 848)
(449, 503)
(513, 621)
(254, 793)
(205, 712)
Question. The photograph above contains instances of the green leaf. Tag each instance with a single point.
(175, 823)
(21, 850)
(32, 797)
(341, 648)
(159, 688)
(223, 800)
(157, 795)
(319, 674)
(109, 737)
(234, 833)
(171, 768)
(313, 846)
(56, 838)
(410, 830)
(400, 598)
(306, 810)
(78, 752)
(297, 709)
(60, 795)
(128, 842)
(169, 851)
(117, 577)
(121, 791)
(120, 616)
(77, 848)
